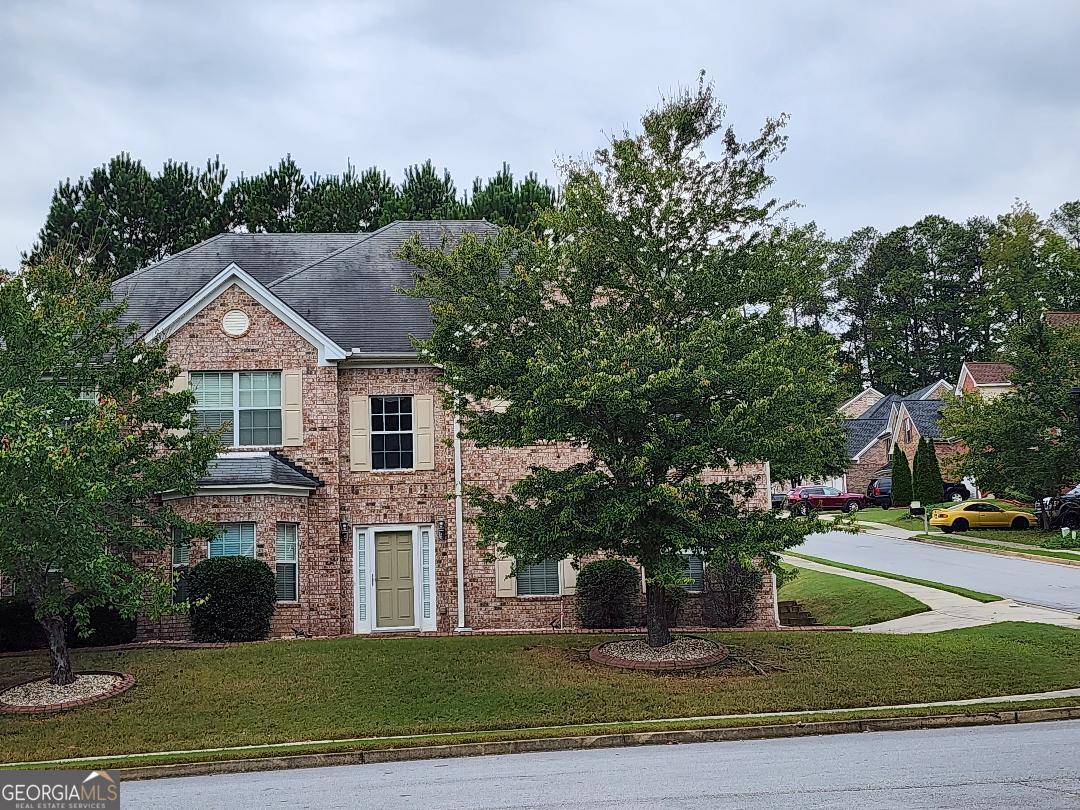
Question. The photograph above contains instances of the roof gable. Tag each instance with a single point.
(234, 275)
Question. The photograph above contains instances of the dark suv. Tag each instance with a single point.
(1061, 512)
(879, 491)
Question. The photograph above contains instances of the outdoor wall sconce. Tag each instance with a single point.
(440, 529)
(344, 530)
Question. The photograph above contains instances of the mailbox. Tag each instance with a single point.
(917, 508)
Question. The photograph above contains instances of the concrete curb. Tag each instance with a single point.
(537, 745)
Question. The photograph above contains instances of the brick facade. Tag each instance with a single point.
(372, 498)
(860, 403)
(874, 459)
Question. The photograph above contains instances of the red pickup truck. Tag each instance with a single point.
(802, 500)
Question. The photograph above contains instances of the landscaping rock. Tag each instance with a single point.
(685, 652)
(41, 693)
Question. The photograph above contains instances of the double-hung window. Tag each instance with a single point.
(245, 405)
(233, 540)
(181, 559)
(538, 579)
(286, 580)
(391, 433)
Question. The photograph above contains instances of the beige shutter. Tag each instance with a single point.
(505, 585)
(292, 407)
(181, 382)
(568, 576)
(423, 432)
(359, 433)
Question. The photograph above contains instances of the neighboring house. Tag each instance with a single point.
(339, 464)
(987, 379)
(1062, 318)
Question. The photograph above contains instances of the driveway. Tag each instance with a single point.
(1037, 583)
(1028, 765)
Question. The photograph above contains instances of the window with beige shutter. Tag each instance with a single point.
(292, 407)
(359, 433)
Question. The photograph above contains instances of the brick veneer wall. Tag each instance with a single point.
(861, 403)
(372, 498)
(875, 458)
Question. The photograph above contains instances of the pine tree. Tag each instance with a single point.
(901, 478)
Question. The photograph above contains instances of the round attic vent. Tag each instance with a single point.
(235, 322)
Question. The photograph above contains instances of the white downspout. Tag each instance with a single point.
(459, 529)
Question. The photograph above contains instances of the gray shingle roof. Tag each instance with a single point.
(922, 392)
(344, 284)
(925, 414)
(861, 432)
(881, 408)
(255, 470)
(354, 296)
(155, 291)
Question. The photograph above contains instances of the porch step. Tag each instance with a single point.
(792, 614)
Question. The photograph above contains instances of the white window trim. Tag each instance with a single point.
(295, 563)
(364, 592)
(372, 432)
(235, 445)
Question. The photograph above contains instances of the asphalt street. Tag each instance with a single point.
(1034, 765)
(1046, 584)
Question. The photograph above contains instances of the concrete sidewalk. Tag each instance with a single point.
(948, 611)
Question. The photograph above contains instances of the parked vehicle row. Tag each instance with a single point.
(879, 491)
(803, 500)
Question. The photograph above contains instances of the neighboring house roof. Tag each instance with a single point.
(1062, 318)
(256, 469)
(861, 433)
(346, 286)
(928, 391)
(881, 408)
(988, 373)
(868, 390)
(925, 414)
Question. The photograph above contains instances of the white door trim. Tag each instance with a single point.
(366, 535)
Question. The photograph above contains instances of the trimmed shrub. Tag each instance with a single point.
(608, 595)
(19, 630)
(107, 627)
(231, 598)
(927, 484)
(901, 478)
(731, 592)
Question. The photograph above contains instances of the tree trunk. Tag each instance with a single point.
(62, 673)
(657, 618)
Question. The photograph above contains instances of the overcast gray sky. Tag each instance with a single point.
(897, 109)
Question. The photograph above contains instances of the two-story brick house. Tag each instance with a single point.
(339, 467)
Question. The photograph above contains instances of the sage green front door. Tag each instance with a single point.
(394, 579)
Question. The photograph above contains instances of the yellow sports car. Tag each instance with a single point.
(979, 515)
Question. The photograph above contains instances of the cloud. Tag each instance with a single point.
(897, 110)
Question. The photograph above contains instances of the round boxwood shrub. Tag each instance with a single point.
(231, 598)
(609, 594)
(731, 590)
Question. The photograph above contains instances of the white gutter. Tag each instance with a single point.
(459, 529)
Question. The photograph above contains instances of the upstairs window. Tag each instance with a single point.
(391, 433)
(245, 405)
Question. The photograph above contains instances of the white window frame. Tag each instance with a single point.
(236, 409)
(373, 433)
(558, 579)
(424, 577)
(254, 539)
(294, 562)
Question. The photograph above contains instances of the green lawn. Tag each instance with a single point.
(352, 687)
(838, 600)
(890, 517)
(979, 596)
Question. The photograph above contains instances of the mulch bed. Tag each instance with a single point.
(38, 695)
(685, 652)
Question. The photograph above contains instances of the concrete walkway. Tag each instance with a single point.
(948, 611)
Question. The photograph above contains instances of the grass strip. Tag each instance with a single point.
(941, 586)
(1033, 551)
(842, 601)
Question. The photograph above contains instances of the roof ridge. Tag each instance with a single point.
(363, 238)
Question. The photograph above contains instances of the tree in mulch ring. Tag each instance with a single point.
(684, 652)
(231, 598)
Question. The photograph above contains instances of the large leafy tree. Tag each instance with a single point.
(89, 435)
(1025, 443)
(632, 334)
(121, 217)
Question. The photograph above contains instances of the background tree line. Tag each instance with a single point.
(907, 307)
(123, 217)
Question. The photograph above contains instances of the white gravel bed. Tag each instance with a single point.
(43, 693)
(681, 649)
